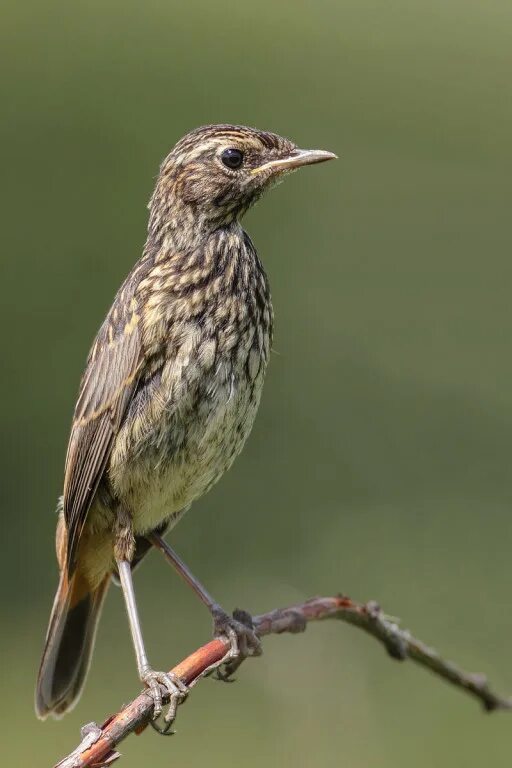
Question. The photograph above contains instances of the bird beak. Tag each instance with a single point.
(296, 159)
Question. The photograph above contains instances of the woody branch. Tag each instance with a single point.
(98, 745)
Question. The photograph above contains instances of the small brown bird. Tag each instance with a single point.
(168, 397)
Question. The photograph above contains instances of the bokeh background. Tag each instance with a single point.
(380, 462)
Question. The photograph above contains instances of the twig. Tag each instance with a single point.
(97, 748)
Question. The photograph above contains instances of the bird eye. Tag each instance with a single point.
(232, 158)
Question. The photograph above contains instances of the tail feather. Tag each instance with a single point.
(68, 645)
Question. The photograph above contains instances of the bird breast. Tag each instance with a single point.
(199, 392)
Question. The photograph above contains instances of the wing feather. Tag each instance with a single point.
(106, 389)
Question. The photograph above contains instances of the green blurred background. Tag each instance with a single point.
(380, 461)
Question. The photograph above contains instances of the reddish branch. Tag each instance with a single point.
(98, 745)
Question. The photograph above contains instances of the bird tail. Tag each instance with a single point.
(68, 645)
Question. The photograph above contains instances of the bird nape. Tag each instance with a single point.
(168, 397)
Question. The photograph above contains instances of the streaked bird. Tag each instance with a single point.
(168, 397)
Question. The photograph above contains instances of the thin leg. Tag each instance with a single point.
(177, 690)
(239, 629)
(177, 563)
(125, 576)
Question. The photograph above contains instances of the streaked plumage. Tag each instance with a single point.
(172, 382)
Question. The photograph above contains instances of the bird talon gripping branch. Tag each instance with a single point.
(169, 393)
(175, 687)
(244, 641)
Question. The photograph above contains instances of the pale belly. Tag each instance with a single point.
(185, 455)
(162, 481)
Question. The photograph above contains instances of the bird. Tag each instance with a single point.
(167, 399)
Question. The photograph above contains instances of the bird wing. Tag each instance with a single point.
(107, 386)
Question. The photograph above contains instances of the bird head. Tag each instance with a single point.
(219, 171)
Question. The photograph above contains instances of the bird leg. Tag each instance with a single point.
(152, 679)
(239, 628)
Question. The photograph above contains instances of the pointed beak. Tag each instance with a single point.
(296, 159)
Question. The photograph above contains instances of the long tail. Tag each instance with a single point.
(68, 645)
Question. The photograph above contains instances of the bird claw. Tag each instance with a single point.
(176, 689)
(244, 642)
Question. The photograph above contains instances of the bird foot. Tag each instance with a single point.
(176, 689)
(244, 642)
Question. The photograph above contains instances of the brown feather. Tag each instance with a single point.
(105, 392)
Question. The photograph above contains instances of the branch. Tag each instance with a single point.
(97, 748)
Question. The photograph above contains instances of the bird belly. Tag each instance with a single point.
(186, 452)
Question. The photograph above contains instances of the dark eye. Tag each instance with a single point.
(232, 158)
